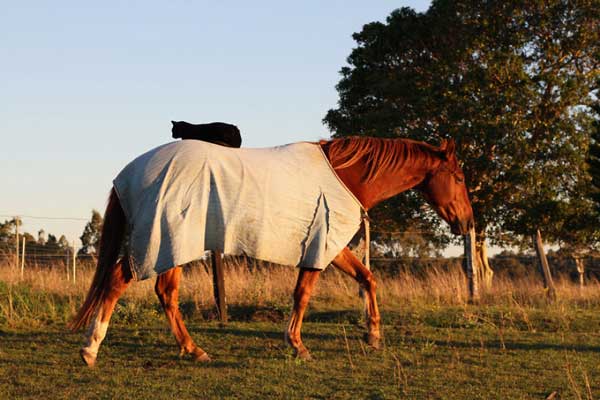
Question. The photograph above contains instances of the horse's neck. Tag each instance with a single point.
(388, 183)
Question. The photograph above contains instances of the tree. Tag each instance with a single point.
(7, 232)
(7, 236)
(510, 81)
(90, 238)
(52, 244)
(41, 237)
(63, 243)
(593, 158)
(581, 231)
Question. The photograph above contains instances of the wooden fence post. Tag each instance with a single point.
(482, 265)
(581, 271)
(67, 263)
(23, 258)
(17, 220)
(469, 265)
(74, 261)
(543, 263)
(219, 285)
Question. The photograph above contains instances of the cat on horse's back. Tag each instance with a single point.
(214, 132)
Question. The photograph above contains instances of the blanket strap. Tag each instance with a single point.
(367, 226)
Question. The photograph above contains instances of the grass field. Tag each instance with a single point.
(514, 345)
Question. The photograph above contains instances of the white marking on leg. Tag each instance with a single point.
(95, 335)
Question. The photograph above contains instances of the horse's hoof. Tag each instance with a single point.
(304, 355)
(373, 341)
(201, 356)
(88, 358)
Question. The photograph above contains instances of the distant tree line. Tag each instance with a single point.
(45, 248)
(507, 264)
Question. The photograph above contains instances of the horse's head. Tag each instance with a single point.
(444, 188)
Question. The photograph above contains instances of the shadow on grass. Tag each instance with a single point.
(506, 345)
(253, 313)
(158, 340)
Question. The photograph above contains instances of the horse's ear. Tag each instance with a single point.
(447, 148)
(450, 148)
(443, 145)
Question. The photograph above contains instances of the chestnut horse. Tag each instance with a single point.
(372, 169)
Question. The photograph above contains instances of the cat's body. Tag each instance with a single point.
(215, 132)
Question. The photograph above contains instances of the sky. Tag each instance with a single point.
(87, 87)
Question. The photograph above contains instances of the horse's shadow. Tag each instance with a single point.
(243, 313)
(510, 345)
(157, 340)
(498, 344)
(268, 334)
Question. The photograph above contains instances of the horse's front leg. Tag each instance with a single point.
(346, 261)
(167, 290)
(304, 287)
(119, 280)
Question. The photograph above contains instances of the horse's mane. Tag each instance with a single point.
(380, 154)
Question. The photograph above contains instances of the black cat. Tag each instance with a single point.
(215, 132)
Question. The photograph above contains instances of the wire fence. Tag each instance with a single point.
(43, 217)
(23, 251)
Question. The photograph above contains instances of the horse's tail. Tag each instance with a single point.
(113, 232)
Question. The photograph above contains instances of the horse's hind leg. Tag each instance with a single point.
(119, 279)
(346, 261)
(167, 290)
(304, 287)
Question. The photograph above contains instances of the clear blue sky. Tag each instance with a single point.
(87, 86)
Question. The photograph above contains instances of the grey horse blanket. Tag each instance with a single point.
(282, 204)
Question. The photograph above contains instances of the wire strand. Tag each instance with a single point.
(44, 218)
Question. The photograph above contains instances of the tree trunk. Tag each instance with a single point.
(543, 263)
(581, 271)
(485, 271)
(470, 266)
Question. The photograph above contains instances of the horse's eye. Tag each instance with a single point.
(460, 179)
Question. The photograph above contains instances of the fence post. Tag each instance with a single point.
(543, 263)
(17, 221)
(67, 263)
(219, 284)
(581, 271)
(74, 261)
(23, 258)
(469, 265)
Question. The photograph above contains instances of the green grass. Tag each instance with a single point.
(440, 352)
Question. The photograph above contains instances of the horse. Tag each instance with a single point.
(372, 169)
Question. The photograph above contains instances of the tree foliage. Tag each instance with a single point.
(594, 157)
(7, 232)
(510, 81)
(90, 238)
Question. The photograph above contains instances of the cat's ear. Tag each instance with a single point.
(173, 122)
